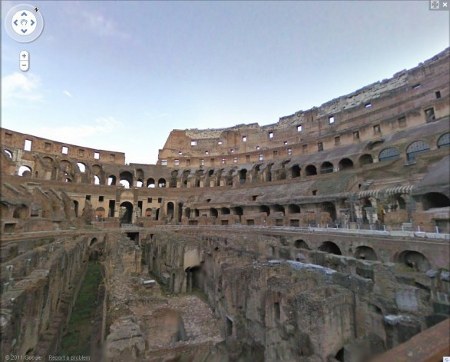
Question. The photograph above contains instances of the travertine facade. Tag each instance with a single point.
(322, 237)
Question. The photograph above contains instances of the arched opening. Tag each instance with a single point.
(269, 172)
(96, 180)
(126, 212)
(187, 212)
(139, 183)
(96, 170)
(365, 253)
(295, 171)
(340, 355)
(157, 214)
(434, 200)
(8, 153)
(237, 210)
(293, 209)
(100, 213)
(25, 171)
(330, 209)
(301, 244)
(126, 179)
(229, 178)
(151, 183)
(93, 241)
(330, 247)
(416, 148)
(20, 212)
(214, 212)
(365, 159)
(81, 167)
(345, 164)
(75, 207)
(170, 210)
(326, 167)
(162, 182)
(225, 211)
(180, 211)
(264, 208)
(444, 140)
(310, 170)
(414, 260)
(185, 178)
(242, 175)
(173, 179)
(194, 278)
(279, 208)
(112, 180)
(210, 173)
(387, 154)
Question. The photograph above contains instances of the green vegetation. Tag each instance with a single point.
(78, 337)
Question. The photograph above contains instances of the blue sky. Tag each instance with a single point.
(120, 75)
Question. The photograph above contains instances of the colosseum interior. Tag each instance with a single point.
(322, 237)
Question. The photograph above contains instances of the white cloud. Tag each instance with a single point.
(102, 25)
(20, 87)
(75, 134)
(67, 93)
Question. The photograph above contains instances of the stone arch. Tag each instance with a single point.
(415, 148)
(326, 167)
(237, 210)
(293, 209)
(8, 153)
(162, 182)
(20, 212)
(390, 153)
(126, 179)
(365, 253)
(170, 210)
(264, 208)
(96, 180)
(279, 208)
(330, 247)
(345, 164)
(173, 179)
(96, 170)
(310, 170)
(93, 241)
(81, 167)
(365, 159)
(432, 200)
(242, 175)
(75, 207)
(151, 183)
(126, 212)
(66, 166)
(100, 213)
(225, 211)
(25, 171)
(330, 208)
(444, 140)
(301, 244)
(213, 211)
(295, 171)
(112, 180)
(187, 212)
(413, 259)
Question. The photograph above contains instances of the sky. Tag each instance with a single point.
(120, 75)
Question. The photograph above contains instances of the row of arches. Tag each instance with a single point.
(412, 259)
(222, 177)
